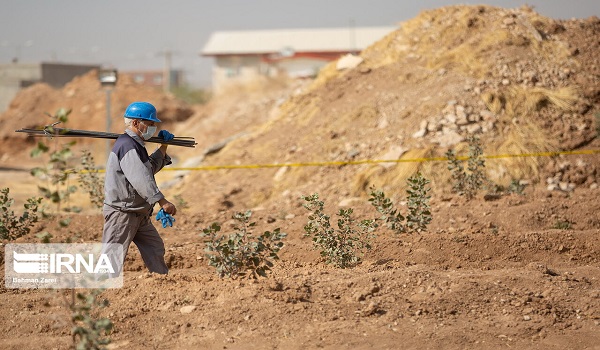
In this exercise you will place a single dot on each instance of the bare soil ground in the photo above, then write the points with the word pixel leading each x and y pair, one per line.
pixel 489 274
pixel 519 271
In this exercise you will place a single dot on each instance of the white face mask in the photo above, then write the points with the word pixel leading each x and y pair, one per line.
pixel 150 130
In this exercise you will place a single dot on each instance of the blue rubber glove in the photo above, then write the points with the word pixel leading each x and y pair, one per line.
pixel 165 135
pixel 165 218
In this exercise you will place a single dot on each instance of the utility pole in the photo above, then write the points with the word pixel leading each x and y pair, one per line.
pixel 108 121
pixel 167 72
pixel 167 69
pixel 352 36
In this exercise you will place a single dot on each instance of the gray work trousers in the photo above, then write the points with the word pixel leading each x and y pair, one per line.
pixel 124 228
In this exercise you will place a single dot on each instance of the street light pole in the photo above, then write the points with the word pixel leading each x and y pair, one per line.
pixel 108 119
pixel 108 79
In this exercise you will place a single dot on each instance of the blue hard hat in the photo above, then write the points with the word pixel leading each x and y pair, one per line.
pixel 141 110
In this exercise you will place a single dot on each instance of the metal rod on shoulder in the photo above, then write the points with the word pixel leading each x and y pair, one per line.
pixel 51 131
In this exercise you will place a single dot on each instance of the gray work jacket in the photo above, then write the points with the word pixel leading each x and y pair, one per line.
pixel 130 185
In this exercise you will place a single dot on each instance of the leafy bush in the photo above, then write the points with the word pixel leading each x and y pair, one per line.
pixel 88 332
pixel 89 179
pixel 515 187
pixel 236 254
pixel 392 218
pixel 419 212
pixel 44 237
pixel 597 115
pixel 340 246
pixel 55 169
pixel 191 95
pixel 11 226
pixel 563 225
pixel 467 183
pixel 181 202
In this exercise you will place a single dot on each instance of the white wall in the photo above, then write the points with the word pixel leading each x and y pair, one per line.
pixel 301 67
pixel 231 70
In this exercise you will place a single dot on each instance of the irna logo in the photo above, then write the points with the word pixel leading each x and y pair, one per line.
pixel 61 263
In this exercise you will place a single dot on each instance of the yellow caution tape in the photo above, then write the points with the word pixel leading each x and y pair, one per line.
pixel 369 161
pixel 375 161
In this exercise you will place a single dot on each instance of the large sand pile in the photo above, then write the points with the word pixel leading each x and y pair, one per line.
pixel 522 82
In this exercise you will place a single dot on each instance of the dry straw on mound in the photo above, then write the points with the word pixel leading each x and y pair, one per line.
pixel 523 135
pixel 393 179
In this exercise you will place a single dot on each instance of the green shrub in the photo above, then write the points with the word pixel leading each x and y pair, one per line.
pixel 515 187
pixel 342 246
pixel 191 95
pixel 468 182
pixel 55 170
pixel 563 225
pixel 597 115
pixel 392 218
pixel 89 179
pixel 11 226
pixel 419 211
pixel 181 202
pixel 88 332
pixel 239 252
pixel 44 237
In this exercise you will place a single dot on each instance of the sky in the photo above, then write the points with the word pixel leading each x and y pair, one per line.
pixel 135 34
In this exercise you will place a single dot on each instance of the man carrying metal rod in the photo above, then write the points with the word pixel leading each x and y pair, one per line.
pixel 130 189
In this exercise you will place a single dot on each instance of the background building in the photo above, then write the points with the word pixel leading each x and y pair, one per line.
pixel 241 56
pixel 155 78
pixel 15 76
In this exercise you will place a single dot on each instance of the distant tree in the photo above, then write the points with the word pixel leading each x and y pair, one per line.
pixel 192 95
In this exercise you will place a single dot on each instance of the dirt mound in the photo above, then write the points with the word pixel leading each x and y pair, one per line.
pixel 239 110
pixel 87 100
pixel 518 80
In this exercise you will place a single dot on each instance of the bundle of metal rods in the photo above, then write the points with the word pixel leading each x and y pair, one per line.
pixel 52 131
